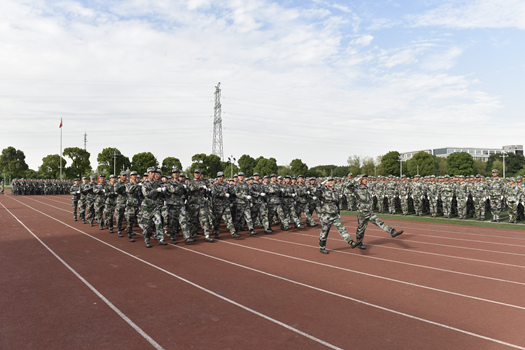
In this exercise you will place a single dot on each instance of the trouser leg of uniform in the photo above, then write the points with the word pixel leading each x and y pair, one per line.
pixel 193 217
pixel 228 220
pixel 74 204
pixel 263 215
pixel 108 214
pixel 513 211
pixel 82 209
pixel 119 215
pixel 309 219
pixel 204 220
pixel 362 223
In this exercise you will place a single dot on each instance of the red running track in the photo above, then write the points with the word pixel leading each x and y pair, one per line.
pixel 66 285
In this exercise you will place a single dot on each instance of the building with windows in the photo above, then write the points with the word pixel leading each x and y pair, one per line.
pixel 477 153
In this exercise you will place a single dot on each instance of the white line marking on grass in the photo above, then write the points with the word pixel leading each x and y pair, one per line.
pixel 331 346
pixel 93 289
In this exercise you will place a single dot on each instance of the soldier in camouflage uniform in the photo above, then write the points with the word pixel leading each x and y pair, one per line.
pixel 313 200
pixel 75 197
pixel 433 196
pixel 404 192
pixel 365 215
pixel 447 195
pixel 519 184
pixel 133 195
pixel 90 199
pixel 301 203
pixel 288 193
pixel 512 196
pixel 150 220
pixel 82 203
pixel 417 194
pixel 391 192
pixel 100 191
pixel 243 204
pixel 329 214
pixel 111 201
pixel 479 196
pixel 462 193
pixel 199 207
pixel 274 192
pixel 122 198
pixel 348 191
pixel 221 206
pixel 259 208
pixel 175 215
pixel 496 195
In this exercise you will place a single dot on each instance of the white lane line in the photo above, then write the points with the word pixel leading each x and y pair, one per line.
pixel 391 261
pixel 306 335
pixel 297 283
pixel 102 297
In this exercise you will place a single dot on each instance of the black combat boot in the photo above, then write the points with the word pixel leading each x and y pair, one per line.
pixel 395 233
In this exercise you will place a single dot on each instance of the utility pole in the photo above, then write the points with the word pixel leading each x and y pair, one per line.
pixel 115 154
pixel 504 155
pixel 217 125
pixel 85 140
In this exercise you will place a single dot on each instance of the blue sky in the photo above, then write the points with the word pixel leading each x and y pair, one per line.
pixel 316 80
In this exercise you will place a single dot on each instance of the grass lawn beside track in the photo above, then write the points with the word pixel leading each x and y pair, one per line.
pixel 503 224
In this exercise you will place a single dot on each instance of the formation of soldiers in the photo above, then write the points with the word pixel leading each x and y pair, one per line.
pixel 171 206
pixel 21 187
pixel 461 196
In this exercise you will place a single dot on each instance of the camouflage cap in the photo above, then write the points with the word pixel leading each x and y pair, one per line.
pixel 288 177
pixel 124 173
pixel 300 176
pixel 83 178
pixel 235 175
pixel 257 174
pixel 183 175
pixel 151 169
pixel 280 177
pixel 273 175
pixel 519 177
pixel 197 171
pixel 102 175
pixel 158 171
pixel 446 176
pixel 266 177
pixel 495 171
pixel 77 179
pixel 350 174
pixel 220 173
pixel 93 177
pixel 112 176
pixel 133 173
pixel 175 170
pixel 241 173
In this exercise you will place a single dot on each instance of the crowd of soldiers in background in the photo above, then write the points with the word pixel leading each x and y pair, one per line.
pixel 21 187
pixel 461 196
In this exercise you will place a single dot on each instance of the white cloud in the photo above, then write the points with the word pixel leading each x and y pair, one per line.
pixel 474 14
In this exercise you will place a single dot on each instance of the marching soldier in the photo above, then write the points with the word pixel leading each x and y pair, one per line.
pixel 100 191
pixel 75 197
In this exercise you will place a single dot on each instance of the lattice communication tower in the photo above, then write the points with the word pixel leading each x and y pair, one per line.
pixel 217 125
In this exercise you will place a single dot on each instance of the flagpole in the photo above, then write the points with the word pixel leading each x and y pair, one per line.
pixel 60 155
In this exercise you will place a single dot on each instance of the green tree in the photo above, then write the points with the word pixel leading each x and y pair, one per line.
pixel 169 163
pixel 368 166
pixel 266 166
pixel 354 163
pixel 228 170
pixel 298 167
pixel 142 161
pixel 460 163
pixel 390 163
pixel 247 164
pixel 497 164
pixel 12 162
pixel 106 161
pixel 422 162
pixel 50 168
pixel 284 170
pixel 31 174
pixel 479 167
pixel 208 164
pixel 341 171
pixel 513 163
pixel 440 166
pixel 80 163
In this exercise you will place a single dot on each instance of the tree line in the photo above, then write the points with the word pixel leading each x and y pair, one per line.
pixel 76 163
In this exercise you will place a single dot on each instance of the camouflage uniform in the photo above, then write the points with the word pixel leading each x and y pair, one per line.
pixel 329 215
pixel 462 198
pixel 313 200
pixel 301 204
pixel 447 195
pixel 274 204
pixel 221 208
pixel 349 191
pixel 120 209
pixel 416 192
pixel 75 198
pixel 365 215
pixel 259 208
pixel 243 204
pixel 289 194
pixel 479 196
pixel 149 218
pixel 512 198
pixel 100 191
pixel 199 208
pixel 111 203
pixel 433 196
pixel 496 195
pixel 391 192
pixel 90 201
pixel 134 192
pixel 404 192
pixel 176 216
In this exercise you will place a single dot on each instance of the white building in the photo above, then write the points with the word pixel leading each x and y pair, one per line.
pixel 477 153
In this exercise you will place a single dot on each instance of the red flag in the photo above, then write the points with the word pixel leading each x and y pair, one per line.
pixel 60 123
